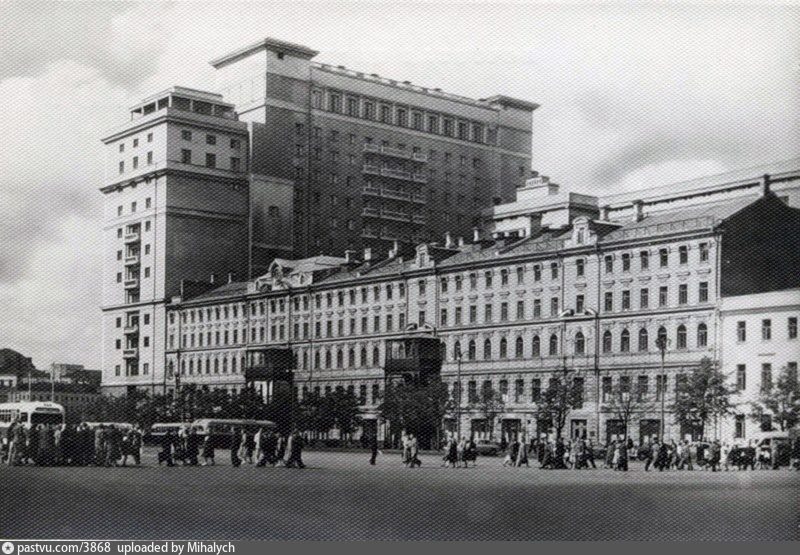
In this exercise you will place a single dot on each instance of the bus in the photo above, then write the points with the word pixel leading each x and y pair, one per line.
pixel 30 413
pixel 220 429
pixel 157 431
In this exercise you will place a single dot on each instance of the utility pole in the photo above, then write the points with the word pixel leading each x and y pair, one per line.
pixel 458 398
pixel 662 342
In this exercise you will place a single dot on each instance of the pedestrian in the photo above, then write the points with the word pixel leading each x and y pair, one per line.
pixel 114 441
pixel 714 455
pixel 373 448
pixel 561 451
pixel 208 450
pixel 405 444
pixel 795 453
pixel 33 443
pixel 651 453
pixel 579 454
pixel 725 455
pixel 472 452
pixel 131 446
pixel 249 445
pixel 522 455
pixel 414 451
pixel 167 445
pixel 461 452
pixel 513 451
pixel 622 457
pixel 236 444
pixel 662 459
pixel 295 449
pixel 590 454
pixel 548 456
pixel 192 446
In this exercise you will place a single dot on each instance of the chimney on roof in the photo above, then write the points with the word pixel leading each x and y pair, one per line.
pixel 764 185
pixel 448 240
pixel 476 235
pixel 349 256
pixel 367 254
pixel 638 210
pixel 604 213
pixel 460 243
pixel 395 249
pixel 212 278
pixel 231 276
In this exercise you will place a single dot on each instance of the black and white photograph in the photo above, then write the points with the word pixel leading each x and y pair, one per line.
pixel 397 271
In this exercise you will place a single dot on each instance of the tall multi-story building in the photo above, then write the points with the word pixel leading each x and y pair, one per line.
pixel 176 208
pixel 558 284
pixel 343 159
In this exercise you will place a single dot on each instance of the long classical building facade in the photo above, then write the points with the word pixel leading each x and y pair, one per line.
pixel 555 283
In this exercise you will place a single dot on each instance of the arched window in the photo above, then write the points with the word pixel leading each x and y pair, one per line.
pixel 471 350
pixel 363 357
pixel 183 367
pixel 351 358
pixel 519 348
pixel 316 360
pixel 536 346
pixel 503 347
pixel 224 365
pixel 456 350
pixel 662 334
pixel 625 341
pixel 327 359
pixel 580 343
pixel 339 358
pixel 171 368
pixel 553 345
pixel 191 366
pixel 244 364
pixel 681 336
pixel 702 335
pixel 233 365
pixel 487 349
pixel 208 366
pixel 643 340
pixel 376 356
pixel 607 340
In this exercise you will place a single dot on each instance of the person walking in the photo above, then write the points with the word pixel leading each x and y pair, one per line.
pixel 295 448
pixel 33 443
pixel 725 455
pixel 713 455
pixel 522 455
pixel 236 444
pixel 192 446
pixel 249 446
pixel 167 444
pixel 561 451
pixel 651 453
pixel 590 454
pixel 579 449
pixel 208 451
pixel 622 457
pixel 472 452
pixel 611 451
pixel 548 456
pixel 373 448
pixel 114 442
pixel 461 452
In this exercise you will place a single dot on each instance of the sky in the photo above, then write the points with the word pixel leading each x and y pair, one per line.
pixel 632 95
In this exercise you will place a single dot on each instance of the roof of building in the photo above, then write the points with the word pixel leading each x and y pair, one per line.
pixel 312 264
pixel 233 289
pixel 267 43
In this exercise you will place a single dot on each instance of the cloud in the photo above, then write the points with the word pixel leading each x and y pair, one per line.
pixel 632 96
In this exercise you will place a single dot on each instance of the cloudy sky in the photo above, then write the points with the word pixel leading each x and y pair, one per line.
pixel 632 96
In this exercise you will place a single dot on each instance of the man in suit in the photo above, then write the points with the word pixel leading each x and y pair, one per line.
pixel 373 447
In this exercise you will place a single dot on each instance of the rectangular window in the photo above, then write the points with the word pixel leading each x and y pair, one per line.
pixel 520 310
pixel 536 390
pixel 473 314
pixel 609 263
pixel 741 377
pixel 663 256
pixel 644 298
pixel 537 308
pixel 703 252
pixel 579 304
pixel 580 267
pixel 626 300
pixel 211 160
pixel 792 327
pixel 554 306
pixel 487 313
pixel 626 262
pixel 150 158
pixel 503 312
pixel 740 426
pixel 766 329
pixel 741 331
pixel 186 135
pixel 644 260
pixel 702 295
pixel 766 377
pixel 683 294
pixel 186 156
pixel 458 316
pixel 211 139
pixel 683 254
pixel 236 164
pixel 663 296
pixel 608 305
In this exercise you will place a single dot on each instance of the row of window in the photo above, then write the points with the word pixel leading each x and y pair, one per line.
pixel 766 329
pixel 766 375
pixel 210 139
pixel 148 203
pixel 134 142
pixel 402 116
pixel 135 162
pixel 234 162
pixel 663 258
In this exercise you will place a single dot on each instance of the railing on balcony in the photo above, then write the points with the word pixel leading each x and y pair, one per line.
pixel 419 157
pixel 419 219
pixel 419 178
pixel 132 258
pixel 399 195
pixel 393 194
pixel 395 215
pixel 418 197
pixel 371 169
pixel 371 212
pixel 369 233
pixel 131 283
pixel 132 236
pixel 132 352
pixel 374 191
pixel 131 329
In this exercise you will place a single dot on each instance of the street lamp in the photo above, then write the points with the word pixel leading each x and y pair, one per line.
pixel 662 343
pixel 458 397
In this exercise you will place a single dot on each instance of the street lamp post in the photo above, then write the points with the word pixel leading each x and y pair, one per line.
pixel 661 343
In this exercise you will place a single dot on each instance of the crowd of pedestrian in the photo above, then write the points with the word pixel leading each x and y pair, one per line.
pixel 459 452
pixel 69 445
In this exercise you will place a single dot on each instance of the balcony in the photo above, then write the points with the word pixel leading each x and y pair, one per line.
pixel 131 283
pixel 396 152
pixel 419 219
pixel 131 329
pixel 132 259
pixel 132 352
pixel 373 191
pixel 419 178
pixel 369 234
pixel 419 198
pixel 419 157
pixel 395 215
pixel 397 195
pixel 372 170
pixel 132 237
pixel 371 213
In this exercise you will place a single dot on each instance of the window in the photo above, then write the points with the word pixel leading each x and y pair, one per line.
pixel 488 277
pixel 580 267
pixel 503 312
pixel 607 388
pixel 121 167
pixel 766 329
pixel 644 298
pixel 186 156
pixel 554 270
pixel 608 303
pixel 553 347
pixel 537 273
pixel 211 139
pixel 683 254
pixel 135 162
pixel 741 331
pixel 503 348
pixel 579 304
pixel 504 277
pixel 739 427
pixel 536 346
pixel 580 344
pixel 519 347
pixel 642 388
pixel 578 385
pixel 626 300
pixel 663 256
pixel 487 349
pixel 150 158
pixel 661 386
pixel 681 337
pixel 702 335
pixel 554 306
pixel 644 260
pixel 536 390
pixel 702 295
pixel 520 275
pixel 663 296
pixel 537 308
pixel 607 340
pixel 683 294
pixel 643 340
pixel 609 262
pixel 766 377
pixel 626 262
pixel 487 313
pixel 236 164
pixel 122 147
pixel 186 135
pixel 625 341
pixel 741 377
pixel 211 160
pixel 520 310
pixel 792 327
pixel 443 284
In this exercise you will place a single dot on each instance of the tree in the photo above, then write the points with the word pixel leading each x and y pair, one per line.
pixel 703 397
pixel 625 404
pixel 489 405
pixel 781 402
pixel 418 409
pixel 557 401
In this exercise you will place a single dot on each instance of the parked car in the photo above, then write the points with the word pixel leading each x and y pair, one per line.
pixel 487 448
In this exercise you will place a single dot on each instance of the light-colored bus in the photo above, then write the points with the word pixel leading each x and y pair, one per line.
pixel 158 430
pixel 124 426
pixel 220 429
pixel 30 414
